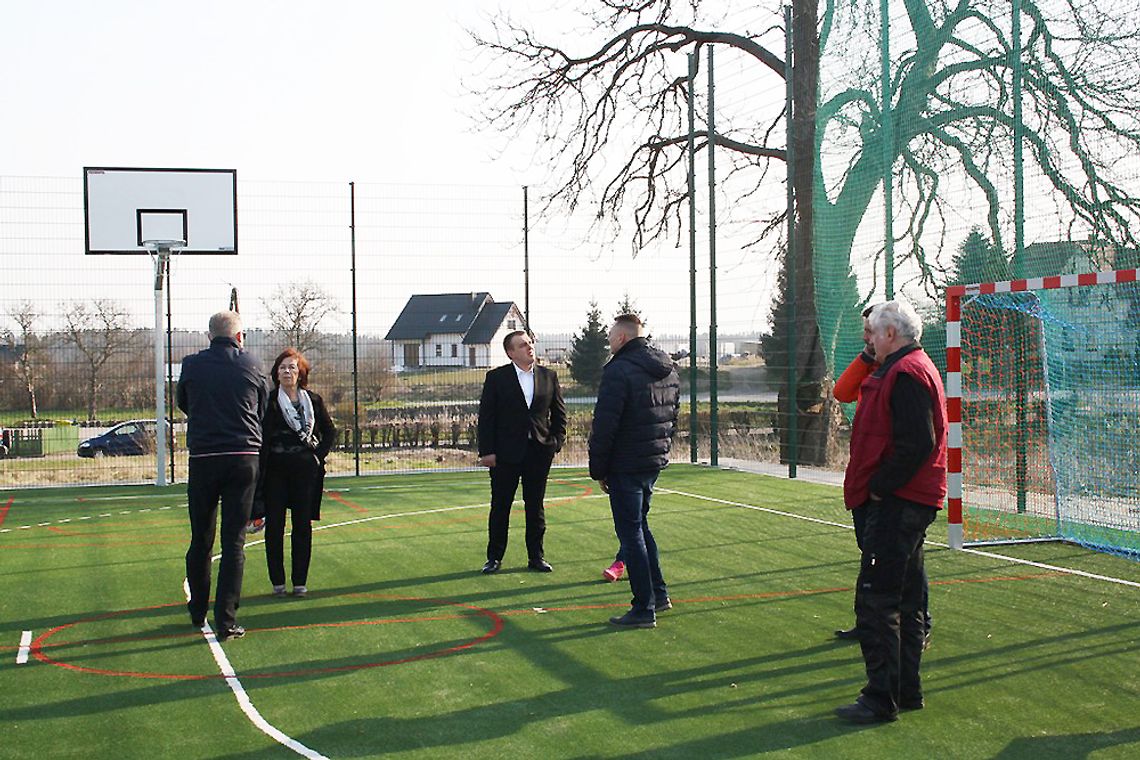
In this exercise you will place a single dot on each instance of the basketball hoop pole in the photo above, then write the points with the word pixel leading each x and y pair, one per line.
pixel 160 250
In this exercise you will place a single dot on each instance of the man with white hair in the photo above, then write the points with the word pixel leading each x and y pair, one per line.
pixel 224 393
pixel 897 473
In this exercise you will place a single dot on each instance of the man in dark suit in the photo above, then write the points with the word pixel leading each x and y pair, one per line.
pixel 522 425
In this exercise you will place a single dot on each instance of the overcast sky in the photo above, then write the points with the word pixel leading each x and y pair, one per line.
pixel 277 89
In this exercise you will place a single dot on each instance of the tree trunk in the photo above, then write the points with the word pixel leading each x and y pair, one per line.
pixel 812 400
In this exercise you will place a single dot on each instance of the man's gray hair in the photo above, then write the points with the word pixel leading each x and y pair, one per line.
pixel 225 324
pixel 899 315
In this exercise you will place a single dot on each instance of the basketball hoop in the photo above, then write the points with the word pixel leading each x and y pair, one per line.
pixel 167 245
pixel 160 251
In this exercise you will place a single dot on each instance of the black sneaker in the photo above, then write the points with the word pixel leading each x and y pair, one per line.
pixel 634 620
pixel 234 632
pixel 857 712
pixel 662 606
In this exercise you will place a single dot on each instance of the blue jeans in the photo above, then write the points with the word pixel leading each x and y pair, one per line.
pixel 630 494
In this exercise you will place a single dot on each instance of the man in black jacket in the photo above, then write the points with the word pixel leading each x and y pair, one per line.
pixel 522 425
pixel 634 421
pixel 223 392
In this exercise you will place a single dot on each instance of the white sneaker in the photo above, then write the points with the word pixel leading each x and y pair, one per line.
pixel 279 591
pixel 300 591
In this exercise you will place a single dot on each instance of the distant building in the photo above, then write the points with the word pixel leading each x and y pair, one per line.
pixel 452 330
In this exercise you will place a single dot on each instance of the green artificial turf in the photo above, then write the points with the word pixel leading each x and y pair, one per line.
pixel 403 649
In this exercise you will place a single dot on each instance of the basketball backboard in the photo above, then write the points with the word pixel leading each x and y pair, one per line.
pixel 124 208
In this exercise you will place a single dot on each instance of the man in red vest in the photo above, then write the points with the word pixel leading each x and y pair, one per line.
pixel 897 473
pixel 847 390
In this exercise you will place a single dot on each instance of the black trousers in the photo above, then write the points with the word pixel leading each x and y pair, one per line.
pixel 290 480
pixel 532 471
pixel 889 601
pixel 232 480
pixel 859 520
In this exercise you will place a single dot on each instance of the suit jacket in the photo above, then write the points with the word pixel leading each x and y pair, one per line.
pixel 505 422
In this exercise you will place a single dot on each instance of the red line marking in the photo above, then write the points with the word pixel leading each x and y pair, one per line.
pixel 341 500
pixel 5 508
pixel 42 642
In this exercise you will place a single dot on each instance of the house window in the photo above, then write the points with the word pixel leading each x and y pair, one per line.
pixel 454 350
pixel 511 325
pixel 438 350
pixel 442 317
pixel 458 317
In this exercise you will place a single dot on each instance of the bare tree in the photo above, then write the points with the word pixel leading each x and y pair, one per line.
pixel 28 348
pixel 624 80
pixel 100 333
pixel 951 115
pixel 296 311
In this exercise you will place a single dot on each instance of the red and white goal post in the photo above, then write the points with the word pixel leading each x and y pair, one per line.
pixel 1056 459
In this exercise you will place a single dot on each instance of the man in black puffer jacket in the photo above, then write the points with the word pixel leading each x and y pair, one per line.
pixel 634 420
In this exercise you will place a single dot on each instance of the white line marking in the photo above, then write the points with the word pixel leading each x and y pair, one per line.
pixel 758 509
pixel 1044 566
pixel 243 700
pixel 227 670
pixel 25 647
pixel 991 555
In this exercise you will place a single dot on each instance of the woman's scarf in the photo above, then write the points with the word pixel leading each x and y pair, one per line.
pixel 299 421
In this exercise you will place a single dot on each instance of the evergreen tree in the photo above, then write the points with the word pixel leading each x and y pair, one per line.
pixel 774 344
pixel 627 306
pixel 589 350
pixel 978 260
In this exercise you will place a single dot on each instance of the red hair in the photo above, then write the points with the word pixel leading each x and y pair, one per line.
pixel 302 367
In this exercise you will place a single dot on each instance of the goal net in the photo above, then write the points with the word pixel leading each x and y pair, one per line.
pixel 1043 397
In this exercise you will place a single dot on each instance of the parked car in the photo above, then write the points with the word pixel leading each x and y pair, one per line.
pixel 131 438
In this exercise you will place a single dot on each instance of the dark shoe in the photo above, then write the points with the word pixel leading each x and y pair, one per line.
pixel 492 566
pixel 857 712
pixel 233 632
pixel 196 620
pixel 662 606
pixel 911 704
pixel 540 566
pixel 634 620
pixel 850 634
